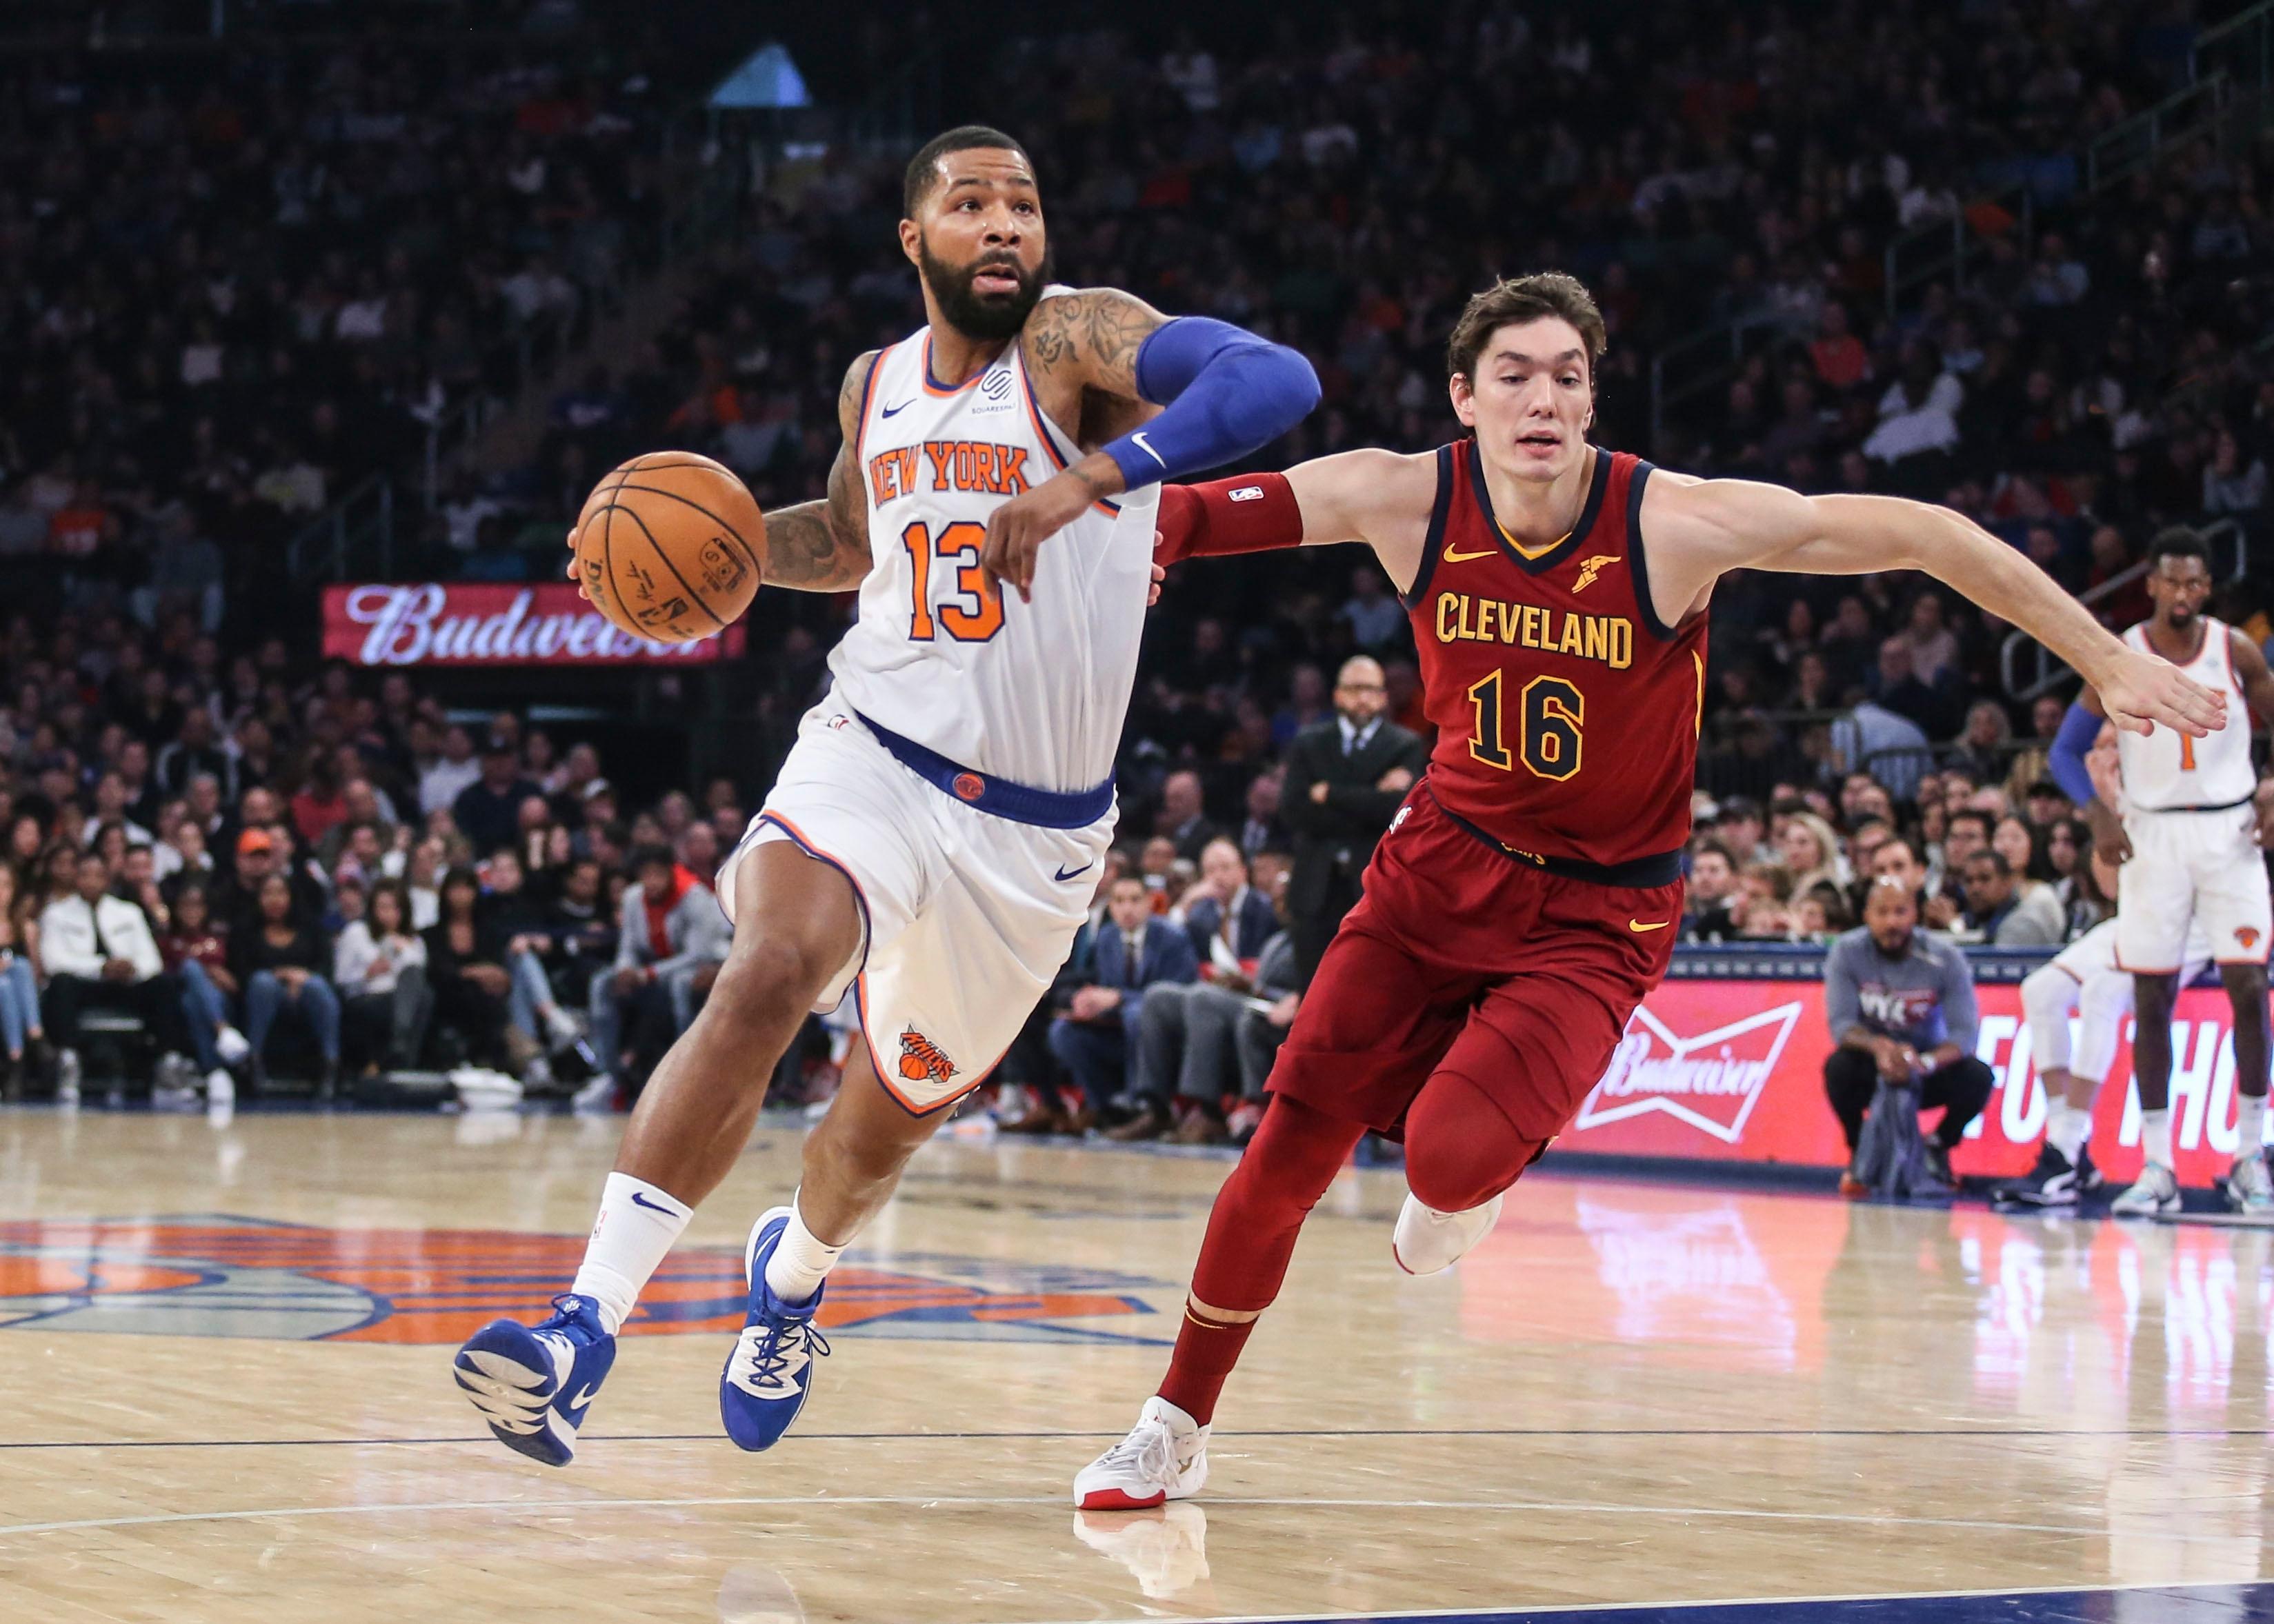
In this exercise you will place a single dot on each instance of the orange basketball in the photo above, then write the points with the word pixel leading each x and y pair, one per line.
pixel 671 546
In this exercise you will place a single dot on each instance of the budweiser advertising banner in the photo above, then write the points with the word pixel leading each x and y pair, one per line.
pixel 484 623
pixel 1734 1070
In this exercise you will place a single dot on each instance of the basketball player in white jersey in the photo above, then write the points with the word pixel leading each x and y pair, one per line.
pixel 2189 834
pixel 932 841
pixel 2081 982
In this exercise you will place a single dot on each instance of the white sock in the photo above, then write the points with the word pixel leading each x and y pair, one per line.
pixel 2155 1136
pixel 2068 1130
pixel 801 1260
pixel 635 1226
pixel 2250 1123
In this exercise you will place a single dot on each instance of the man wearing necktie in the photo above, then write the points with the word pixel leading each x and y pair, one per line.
pixel 1345 779
pixel 1134 951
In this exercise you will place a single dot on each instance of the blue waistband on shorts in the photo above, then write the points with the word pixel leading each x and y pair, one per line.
pixel 1021 803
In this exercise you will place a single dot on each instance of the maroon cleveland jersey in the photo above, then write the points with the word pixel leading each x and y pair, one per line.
pixel 1567 713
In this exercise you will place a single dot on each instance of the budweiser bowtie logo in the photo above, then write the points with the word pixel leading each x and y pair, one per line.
pixel 1712 1081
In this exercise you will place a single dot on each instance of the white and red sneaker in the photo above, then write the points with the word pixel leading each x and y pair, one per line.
pixel 1426 1241
pixel 1164 1458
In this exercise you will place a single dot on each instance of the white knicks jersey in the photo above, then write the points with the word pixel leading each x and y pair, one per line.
pixel 2167 769
pixel 1036 691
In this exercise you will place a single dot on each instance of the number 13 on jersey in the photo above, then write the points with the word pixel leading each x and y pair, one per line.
pixel 974 622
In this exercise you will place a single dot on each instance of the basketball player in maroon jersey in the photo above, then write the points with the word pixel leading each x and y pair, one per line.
pixel 1527 896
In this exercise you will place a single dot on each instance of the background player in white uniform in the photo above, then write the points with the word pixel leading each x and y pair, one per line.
pixel 931 839
pixel 2082 981
pixel 2189 836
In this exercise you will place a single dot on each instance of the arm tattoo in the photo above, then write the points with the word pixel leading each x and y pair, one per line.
pixel 1093 338
pixel 824 546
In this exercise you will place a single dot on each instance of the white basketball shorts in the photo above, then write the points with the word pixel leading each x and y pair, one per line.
pixel 2202 867
pixel 966 916
pixel 2082 979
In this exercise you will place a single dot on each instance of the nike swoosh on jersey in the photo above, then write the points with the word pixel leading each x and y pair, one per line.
pixel 1452 557
pixel 1139 441
pixel 1068 874
pixel 1637 927
pixel 891 410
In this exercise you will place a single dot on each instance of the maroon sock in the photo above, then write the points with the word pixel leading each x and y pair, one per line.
pixel 1206 1351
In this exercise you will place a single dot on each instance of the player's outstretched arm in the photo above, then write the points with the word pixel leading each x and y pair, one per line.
pixel 1221 392
pixel 1380 498
pixel 824 546
pixel 1701 529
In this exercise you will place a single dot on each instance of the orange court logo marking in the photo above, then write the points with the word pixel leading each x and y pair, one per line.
pixel 217 1274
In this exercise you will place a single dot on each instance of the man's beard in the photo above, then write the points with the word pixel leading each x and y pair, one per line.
pixel 988 319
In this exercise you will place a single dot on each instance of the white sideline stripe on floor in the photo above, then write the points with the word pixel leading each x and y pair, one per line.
pixel 554 1508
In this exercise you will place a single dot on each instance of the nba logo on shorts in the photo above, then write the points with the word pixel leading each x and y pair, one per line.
pixel 921 1060
pixel 969 786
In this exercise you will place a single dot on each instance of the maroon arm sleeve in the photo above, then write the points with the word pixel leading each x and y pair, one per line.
pixel 1253 512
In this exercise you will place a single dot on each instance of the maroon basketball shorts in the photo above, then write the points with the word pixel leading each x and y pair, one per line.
pixel 1464 958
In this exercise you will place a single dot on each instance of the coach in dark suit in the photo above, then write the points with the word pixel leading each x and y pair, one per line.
pixel 1345 779
pixel 1133 951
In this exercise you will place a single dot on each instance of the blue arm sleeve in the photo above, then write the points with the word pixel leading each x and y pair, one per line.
pixel 1225 392
pixel 2078 729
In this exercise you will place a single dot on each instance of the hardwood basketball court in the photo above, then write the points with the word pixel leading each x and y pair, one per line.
pixel 226 1350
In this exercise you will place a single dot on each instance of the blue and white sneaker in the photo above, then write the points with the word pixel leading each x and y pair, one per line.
pixel 533 1383
pixel 767 1379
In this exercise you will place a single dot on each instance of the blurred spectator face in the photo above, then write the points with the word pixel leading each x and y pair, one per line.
pixel 1894 662
pixel 582 765
pixel 457 745
pixel 1306 690
pixel 674 812
pixel 1989 883
pixel 1268 872
pixel 276 896
pixel 1362 692
pixel 2062 844
pixel 2045 716
pixel 1223 869
pixel 257 808
pixel 698 849
pixel 1711 877
pixel 24 839
pixel 204 798
pixel 1128 904
pixel 1891 914
pixel 498 766
pixel 1895 861
pixel 93 878
pixel 360 800
pixel 533 813
pixel 582 883
pixel 1986 723
pixel 1740 829
pixel 110 796
pixel 348 895
pixel 2011 841
pixel 363 847
pixel 1926 613
pixel 1852 623
pixel 505 873
pixel 135 870
pixel 1180 799
pixel 425 863
pixel 1263 791
pixel 1158 857
pixel 1797 845
pixel 1864 844
pixel 256 856
pixel 1967 835
pixel 420 737
pixel 656 879
pixel 729 824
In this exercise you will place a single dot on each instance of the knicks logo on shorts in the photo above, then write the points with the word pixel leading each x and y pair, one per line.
pixel 2247 936
pixel 921 1060
pixel 969 786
